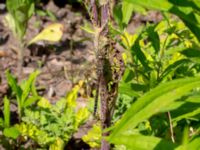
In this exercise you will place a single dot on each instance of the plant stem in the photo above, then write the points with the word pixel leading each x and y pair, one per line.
pixel 20 59
pixel 171 127
pixel 104 93
pixel 100 23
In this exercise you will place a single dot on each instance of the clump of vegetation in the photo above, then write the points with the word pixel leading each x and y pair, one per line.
pixel 47 124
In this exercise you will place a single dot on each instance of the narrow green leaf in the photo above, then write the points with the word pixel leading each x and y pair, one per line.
pixel 171 68
pixel 184 105
pixel 141 142
pixel 153 102
pixel 187 11
pixel 189 19
pixel 13 84
pixel 131 89
pixel 1 123
pixel 127 10
pixel 118 16
pixel 154 38
pixel 6 112
pixel 28 86
pixel 163 5
pixel 31 100
pixel 136 49
pixel 193 144
pixel 187 115
pixel 191 52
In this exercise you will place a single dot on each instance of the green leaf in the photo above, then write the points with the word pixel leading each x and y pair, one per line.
pixel 118 16
pixel 88 28
pixel 6 112
pixel 136 49
pixel 11 132
pixel 187 115
pixel 188 11
pixel 192 53
pixel 1 122
pixel 72 96
pixel 21 11
pixel 171 68
pixel 127 10
pixel 153 102
pixel 194 144
pixel 13 84
pixel 81 116
pixel 44 103
pixel 141 142
pixel 189 19
pixel 93 137
pixel 30 101
pixel 154 38
pixel 59 144
pixel 131 89
pixel 163 5
pixel 28 86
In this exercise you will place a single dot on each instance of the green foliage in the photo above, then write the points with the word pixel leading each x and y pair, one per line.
pixel 152 102
pixel 20 11
pixel 54 123
pixel 9 132
pixel 156 54
pixel 93 137
pixel 25 93
pixel 6 112
pixel 187 12
pixel 141 142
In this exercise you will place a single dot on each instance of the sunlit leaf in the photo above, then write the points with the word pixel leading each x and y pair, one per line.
pixel 194 144
pixel 6 112
pixel 57 145
pixel 127 10
pixel 13 84
pixel 93 137
pixel 81 116
pixel 28 86
pixel 11 132
pixel 152 102
pixel 21 11
pixel 141 142
pixel 44 103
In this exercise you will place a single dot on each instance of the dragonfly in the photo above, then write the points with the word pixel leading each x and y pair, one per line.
pixel 110 65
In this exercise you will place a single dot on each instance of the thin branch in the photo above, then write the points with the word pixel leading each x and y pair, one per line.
pixel 171 127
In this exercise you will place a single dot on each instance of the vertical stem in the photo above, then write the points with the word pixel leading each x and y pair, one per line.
pixel 20 59
pixel 19 109
pixel 100 22
pixel 71 44
pixel 104 94
pixel 94 12
pixel 94 19
pixel 171 127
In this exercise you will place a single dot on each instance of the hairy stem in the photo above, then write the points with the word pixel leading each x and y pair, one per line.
pixel 20 59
